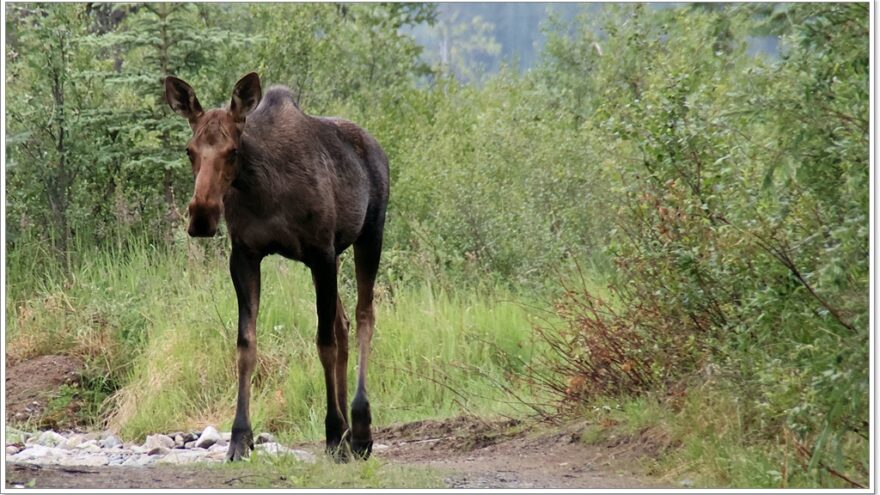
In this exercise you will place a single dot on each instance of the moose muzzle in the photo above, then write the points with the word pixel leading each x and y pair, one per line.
pixel 203 219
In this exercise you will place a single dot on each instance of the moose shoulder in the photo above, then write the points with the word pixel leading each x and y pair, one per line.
pixel 304 187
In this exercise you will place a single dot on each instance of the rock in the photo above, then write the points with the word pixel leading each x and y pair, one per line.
pixel 379 446
pixel 50 439
pixel 12 450
pixel 264 438
pixel 38 453
pixel 178 441
pixel 208 437
pixel 303 456
pixel 110 442
pixel 217 455
pixel 189 445
pixel 72 441
pixel 226 436
pixel 189 437
pixel 154 441
pixel 273 448
pixel 158 450
pixel 181 457
pixel 84 460
pixel 90 446
pixel 687 483
pixel 139 460
pixel 216 447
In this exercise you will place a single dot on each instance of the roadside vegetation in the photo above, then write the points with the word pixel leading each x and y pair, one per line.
pixel 654 229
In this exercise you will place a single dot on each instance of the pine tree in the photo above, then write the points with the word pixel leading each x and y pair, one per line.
pixel 160 40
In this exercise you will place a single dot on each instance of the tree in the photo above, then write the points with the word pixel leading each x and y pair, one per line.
pixel 46 125
pixel 160 40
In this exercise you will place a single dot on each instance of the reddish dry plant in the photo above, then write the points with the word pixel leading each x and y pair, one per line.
pixel 600 351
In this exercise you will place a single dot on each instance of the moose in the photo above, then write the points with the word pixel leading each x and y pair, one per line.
pixel 304 187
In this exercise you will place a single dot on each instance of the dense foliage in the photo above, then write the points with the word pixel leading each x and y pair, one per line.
pixel 721 195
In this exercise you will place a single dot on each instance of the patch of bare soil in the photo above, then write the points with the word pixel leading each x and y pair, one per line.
pixel 469 453
pixel 120 477
pixel 512 454
pixel 32 384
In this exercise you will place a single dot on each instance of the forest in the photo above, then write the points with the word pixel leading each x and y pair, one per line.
pixel 651 228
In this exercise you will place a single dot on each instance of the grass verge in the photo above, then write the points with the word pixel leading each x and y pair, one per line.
pixel 157 328
pixel 702 439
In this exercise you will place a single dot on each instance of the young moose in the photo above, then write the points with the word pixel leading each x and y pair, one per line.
pixel 303 187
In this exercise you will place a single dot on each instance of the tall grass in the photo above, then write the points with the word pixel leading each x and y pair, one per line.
pixel 158 327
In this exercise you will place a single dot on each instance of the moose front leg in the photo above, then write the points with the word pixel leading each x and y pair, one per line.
pixel 245 270
pixel 335 424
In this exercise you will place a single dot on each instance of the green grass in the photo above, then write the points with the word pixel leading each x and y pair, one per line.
pixel 158 327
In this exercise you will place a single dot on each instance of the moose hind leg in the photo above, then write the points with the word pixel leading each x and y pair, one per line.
pixel 245 272
pixel 341 326
pixel 324 276
pixel 366 265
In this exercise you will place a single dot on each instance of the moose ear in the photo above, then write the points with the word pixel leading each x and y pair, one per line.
pixel 182 98
pixel 246 96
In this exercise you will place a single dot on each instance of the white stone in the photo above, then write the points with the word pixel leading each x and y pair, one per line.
pixel 273 448
pixel 89 445
pixel 84 460
pixel 37 452
pixel 139 460
pixel 73 441
pixel 217 455
pixel 154 441
pixel 110 442
pixel 208 437
pixel 12 450
pixel 226 436
pixel 50 439
pixel 181 457
pixel 303 456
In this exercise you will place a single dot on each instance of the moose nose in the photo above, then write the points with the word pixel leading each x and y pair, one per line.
pixel 203 219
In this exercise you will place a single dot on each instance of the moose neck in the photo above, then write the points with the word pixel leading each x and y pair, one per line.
pixel 255 183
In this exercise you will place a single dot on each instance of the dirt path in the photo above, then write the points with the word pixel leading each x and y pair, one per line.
pixel 467 453
pixel 510 454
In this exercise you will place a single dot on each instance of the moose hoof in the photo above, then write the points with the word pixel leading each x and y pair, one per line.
pixel 339 452
pixel 362 449
pixel 240 446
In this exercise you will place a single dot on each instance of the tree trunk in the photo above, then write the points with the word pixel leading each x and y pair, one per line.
pixel 58 187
